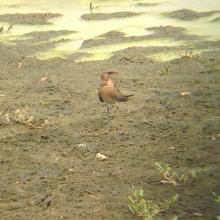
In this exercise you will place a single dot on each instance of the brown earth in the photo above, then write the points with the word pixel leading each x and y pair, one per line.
pixel 144 4
pixel 30 18
pixel 52 172
pixel 189 15
pixel 106 16
pixel 114 37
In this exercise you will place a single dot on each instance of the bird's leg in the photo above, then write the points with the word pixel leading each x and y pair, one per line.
pixel 107 107
pixel 117 106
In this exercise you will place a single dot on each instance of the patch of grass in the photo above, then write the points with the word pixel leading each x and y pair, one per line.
pixel 167 204
pixel 216 197
pixel 147 209
pixel 165 71
pixel 141 207
pixel 92 7
pixel 169 175
pixel 189 54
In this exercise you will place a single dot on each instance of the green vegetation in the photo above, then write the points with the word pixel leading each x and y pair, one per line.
pixel 216 196
pixel 217 199
pixel 169 203
pixel 92 7
pixel 141 207
pixel 147 209
pixel 164 71
pixel 169 175
pixel 190 54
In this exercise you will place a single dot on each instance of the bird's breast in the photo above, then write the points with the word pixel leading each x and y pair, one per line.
pixel 107 94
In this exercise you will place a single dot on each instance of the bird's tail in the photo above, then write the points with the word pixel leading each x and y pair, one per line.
pixel 129 95
pixel 123 98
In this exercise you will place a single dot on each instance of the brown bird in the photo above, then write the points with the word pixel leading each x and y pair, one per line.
pixel 108 93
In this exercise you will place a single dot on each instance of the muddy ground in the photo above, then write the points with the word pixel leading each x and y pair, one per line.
pixel 106 16
pixel 161 32
pixel 51 172
pixel 186 14
pixel 31 18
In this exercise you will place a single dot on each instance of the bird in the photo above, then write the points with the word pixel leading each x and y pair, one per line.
pixel 108 93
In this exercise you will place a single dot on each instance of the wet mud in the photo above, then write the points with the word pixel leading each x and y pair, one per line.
pixel 189 15
pixel 41 36
pixel 31 18
pixel 143 4
pixel 113 37
pixel 106 16
pixel 52 172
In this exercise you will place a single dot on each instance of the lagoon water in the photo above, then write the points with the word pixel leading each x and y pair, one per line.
pixel 131 26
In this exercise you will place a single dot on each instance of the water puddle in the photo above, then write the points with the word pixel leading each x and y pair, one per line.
pixel 131 26
pixel 105 51
pixel 170 55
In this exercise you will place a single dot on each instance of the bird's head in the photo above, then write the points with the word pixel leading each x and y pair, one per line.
pixel 108 75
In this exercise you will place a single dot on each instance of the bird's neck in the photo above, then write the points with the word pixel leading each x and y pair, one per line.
pixel 107 83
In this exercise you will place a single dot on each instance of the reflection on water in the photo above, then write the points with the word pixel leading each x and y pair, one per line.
pixel 169 55
pixel 73 9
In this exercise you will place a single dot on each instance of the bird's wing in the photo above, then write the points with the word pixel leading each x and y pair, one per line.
pixel 100 97
pixel 119 96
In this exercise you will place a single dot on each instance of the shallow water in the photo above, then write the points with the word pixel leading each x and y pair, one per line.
pixel 131 26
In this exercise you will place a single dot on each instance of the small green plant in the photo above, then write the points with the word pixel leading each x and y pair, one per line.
pixel 164 71
pixel 141 207
pixel 169 202
pixel 216 197
pixel 174 218
pixel 190 54
pixel 92 7
pixel 169 175
pixel 147 209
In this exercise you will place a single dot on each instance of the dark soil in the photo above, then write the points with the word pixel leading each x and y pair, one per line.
pixel 39 36
pixel 31 18
pixel 143 4
pixel 114 37
pixel 106 16
pixel 189 15
pixel 52 172
pixel 23 49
